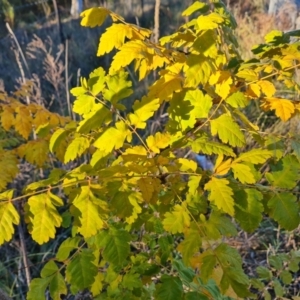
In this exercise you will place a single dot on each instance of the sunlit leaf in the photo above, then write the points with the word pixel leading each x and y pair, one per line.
pixel 94 16
pixel 227 130
pixel 221 194
pixel 177 220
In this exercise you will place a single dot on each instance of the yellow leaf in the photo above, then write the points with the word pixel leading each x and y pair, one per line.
pixel 158 141
pixel 23 121
pixel 45 218
pixel 210 21
pixel 177 220
pixel 197 71
pixel 283 108
pixel 132 50
pixel 223 81
pixel 114 37
pixel 243 173
pixel 169 82
pixel 76 148
pixel 134 199
pixel 35 152
pixel 7 117
pixel 228 130
pixel 94 16
pixel 221 194
pixel 248 74
pixel 253 90
pixel 222 167
pixel 8 216
pixel 187 165
pixel 90 213
pixel 254 156
pixel 9 167
pixel 267 87
pixel 193 8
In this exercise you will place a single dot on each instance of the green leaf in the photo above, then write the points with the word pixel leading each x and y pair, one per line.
pixel 81 271
pixel 8 216
pixel 131 281
pixel 76 148
pixel 286 173
pixel 66 247
pixel 195 296
pixel 237 100
pixel 190 245
pixel 248 208
pixel 279 291
pixel 228 131
pixel 37 289
pixel 208 263
pixel 186 274
pixel 221 194
pixel 116 246
pixel 118 87
pixel 221 223
pixel 284 210
pixel 57 285
pixel 231 264
pixel 286 277
pixel 264 273
pixel 170 288
pixel 177 220
pixel 45 217
pixel 296 147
